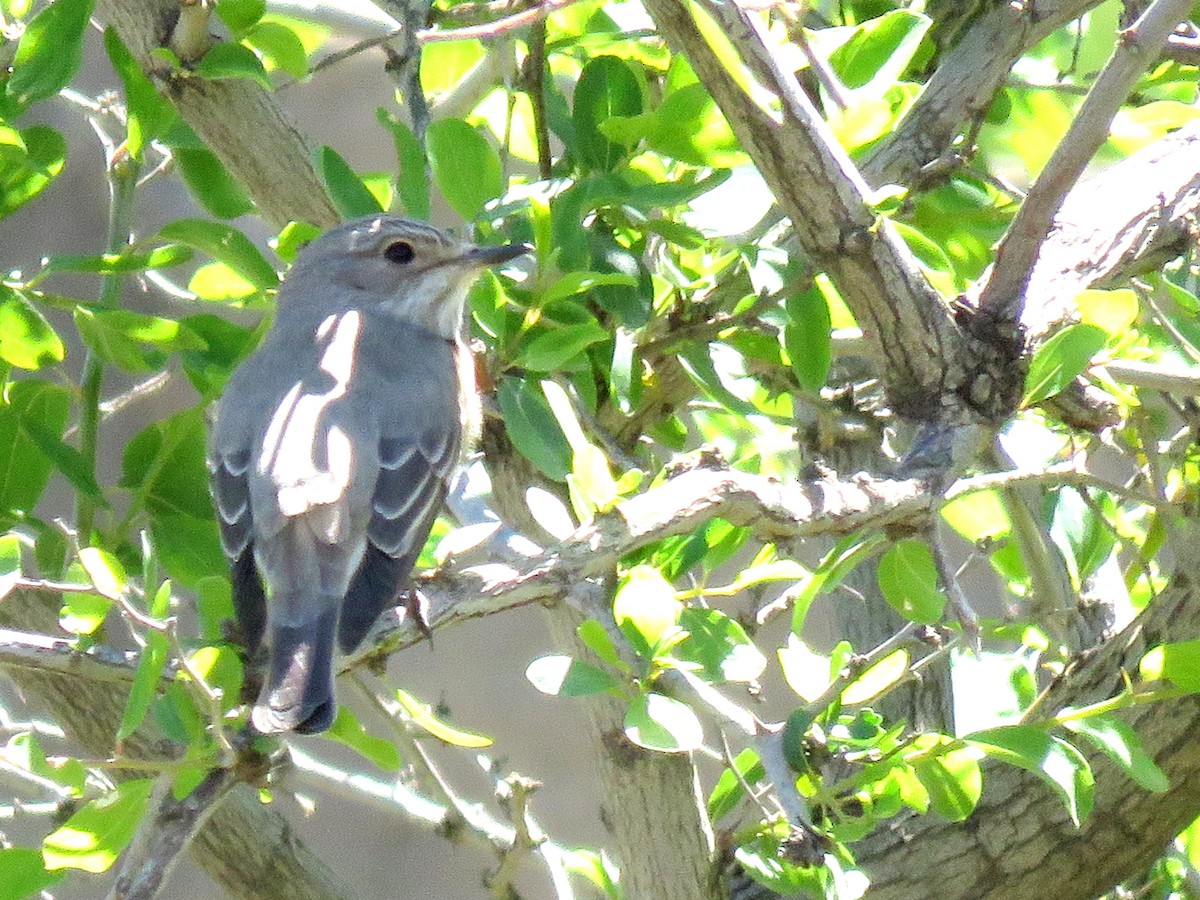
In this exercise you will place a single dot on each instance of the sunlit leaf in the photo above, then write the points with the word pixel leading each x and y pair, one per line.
pixel 1120 743
pixel 94 837
pixel 346 729
pixel 657 722
pixel 908 578
pixel 423 716
pixel 877 679
pixel 27 340
pixel 562 676
pixel 465 167
pixel 1057 362
pixel 50 51
pixel 1056 762
pixel 645 608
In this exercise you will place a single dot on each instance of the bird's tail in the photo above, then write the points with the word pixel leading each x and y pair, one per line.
pixel 298 693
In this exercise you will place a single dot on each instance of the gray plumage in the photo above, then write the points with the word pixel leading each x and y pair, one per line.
pixel 334 444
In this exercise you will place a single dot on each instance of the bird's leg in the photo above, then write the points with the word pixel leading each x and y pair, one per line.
pixel 416 605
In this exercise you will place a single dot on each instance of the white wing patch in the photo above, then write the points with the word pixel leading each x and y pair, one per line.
pixel 312 463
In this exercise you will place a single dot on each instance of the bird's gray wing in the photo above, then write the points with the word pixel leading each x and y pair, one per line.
pixel 414 473
pixel 231 497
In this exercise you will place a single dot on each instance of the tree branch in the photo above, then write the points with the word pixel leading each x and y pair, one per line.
pixel 1128 219
pixel 965 83
pixel 1020 821
pixel 167 828
pixel 1003 295
pixel 826 198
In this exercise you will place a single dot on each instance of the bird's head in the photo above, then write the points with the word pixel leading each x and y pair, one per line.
pixel 405 268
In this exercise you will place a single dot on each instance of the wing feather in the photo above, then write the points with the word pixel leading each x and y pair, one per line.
pixel 413 479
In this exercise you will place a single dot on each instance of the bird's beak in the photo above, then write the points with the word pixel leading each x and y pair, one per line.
pixel 494 256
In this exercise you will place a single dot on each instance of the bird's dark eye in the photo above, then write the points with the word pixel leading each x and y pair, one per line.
pixel 400 253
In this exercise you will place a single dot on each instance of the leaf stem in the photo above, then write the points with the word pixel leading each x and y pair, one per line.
pixel 122 181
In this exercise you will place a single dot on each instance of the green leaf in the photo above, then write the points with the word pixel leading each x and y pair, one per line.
pixel 27 340
pixel 465 167
pixel 879 50
pixel 189 547
pixel 240 15
pixel 83 613
pixel 217 282
pixel 280 46
pixel 876 679
pixel 1056 762
pixel 1120 743
pixel 953 779
pixel 66 459
pixel 148 112
pixel 227 244
pixel 50 51
pixel 145 683
pixel 214 606
pixel 834 567
pixel 210 182
pixel 719 645
pixel 226 345
pixel 413 180
pixel 22 180
pixel 573 283
pixel 728 791
pixel 596 638
pixel 10 564
pixel 221 668
pixel 532 428
pixel 1113 311
pixel 25 751
pixel 24 469
pixel 808 338
pixel 908 578
pixel 133 341
pixel 350 196
pixel 662 723
pixel 562 676
pixel 1178 663
pixel 607 87
pixel 233 61
pixel 552 349
pixel 978 516
pixel 693 129
pixel 346 729
pixel 423 716
pixel 292 239
pixel 645 608
pixel 162 257
pixel 94 837
pixel 591 485
pixel 1057 362
pixel 165 464
pixel 23 873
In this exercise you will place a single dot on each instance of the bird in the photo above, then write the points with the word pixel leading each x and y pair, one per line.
pixel 333 446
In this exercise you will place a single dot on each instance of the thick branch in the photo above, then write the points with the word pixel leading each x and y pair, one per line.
pixel 1003 295
pixel 1126 220
pixel 236 118
pixel 819 188
pixel 775 511
pixel 965 84
pixel 1020 843
pixel 166 830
